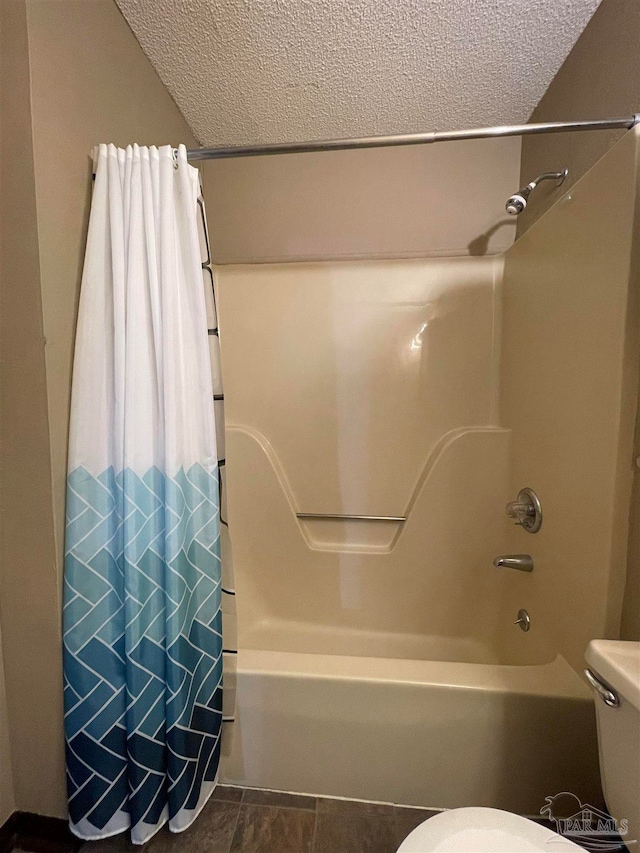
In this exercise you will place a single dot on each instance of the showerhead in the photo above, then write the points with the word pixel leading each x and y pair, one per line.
pixel 518 201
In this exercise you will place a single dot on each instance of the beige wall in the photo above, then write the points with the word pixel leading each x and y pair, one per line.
pixel 630 627
pixel 599 79
pixel 28 584
pixel 445 199
pixel 75 76
pixel 7 800
pixel 366 388
pixel 569 385
pixel 7 797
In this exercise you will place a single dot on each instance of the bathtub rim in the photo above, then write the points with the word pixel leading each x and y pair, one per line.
pixel 556 678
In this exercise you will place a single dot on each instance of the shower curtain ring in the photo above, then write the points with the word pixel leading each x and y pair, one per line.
pixel 174 155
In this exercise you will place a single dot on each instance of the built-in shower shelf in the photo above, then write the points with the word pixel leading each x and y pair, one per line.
pixel 343 532
pixel 343 517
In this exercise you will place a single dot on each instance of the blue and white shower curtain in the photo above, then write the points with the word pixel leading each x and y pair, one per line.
pixel 143 586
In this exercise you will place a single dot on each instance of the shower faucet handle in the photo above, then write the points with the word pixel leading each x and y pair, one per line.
pixel 527 510
pixel 519 509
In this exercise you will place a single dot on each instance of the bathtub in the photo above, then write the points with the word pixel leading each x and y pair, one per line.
pixel 378 657
pixel 430 733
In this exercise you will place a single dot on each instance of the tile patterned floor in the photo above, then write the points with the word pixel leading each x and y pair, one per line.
pixel 248 821
pixel 237 820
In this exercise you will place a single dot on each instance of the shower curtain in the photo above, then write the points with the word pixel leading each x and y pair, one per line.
pixel 142 599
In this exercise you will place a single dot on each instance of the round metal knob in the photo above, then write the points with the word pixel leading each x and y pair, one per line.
pixel 523 620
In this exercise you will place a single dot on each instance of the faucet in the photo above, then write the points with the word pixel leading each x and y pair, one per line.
pixel 521 562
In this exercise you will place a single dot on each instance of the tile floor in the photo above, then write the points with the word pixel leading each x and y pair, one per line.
pixel 248 821
pixel 237 820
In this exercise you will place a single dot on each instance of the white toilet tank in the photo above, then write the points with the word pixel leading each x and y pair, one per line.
pixel 615 664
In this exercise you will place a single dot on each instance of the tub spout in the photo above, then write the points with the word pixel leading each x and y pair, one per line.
pixel 521 562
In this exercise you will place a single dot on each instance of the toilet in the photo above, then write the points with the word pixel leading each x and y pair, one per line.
pixel 614 674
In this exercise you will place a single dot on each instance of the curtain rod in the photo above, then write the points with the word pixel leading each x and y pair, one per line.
pixel 411 138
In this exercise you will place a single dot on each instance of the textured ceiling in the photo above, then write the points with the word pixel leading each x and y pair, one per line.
pixel 278 70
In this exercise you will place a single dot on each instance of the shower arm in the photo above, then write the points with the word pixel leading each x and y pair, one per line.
pixel 548 176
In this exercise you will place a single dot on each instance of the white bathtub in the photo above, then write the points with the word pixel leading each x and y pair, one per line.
pixel 425 733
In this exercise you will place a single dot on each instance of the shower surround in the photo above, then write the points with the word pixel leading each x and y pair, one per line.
pixel 378 659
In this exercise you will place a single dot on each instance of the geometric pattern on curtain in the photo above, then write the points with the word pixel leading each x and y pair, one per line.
pixel 143 654
pixel 166 532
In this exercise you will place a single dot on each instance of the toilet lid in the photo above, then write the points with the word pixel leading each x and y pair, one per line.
pixel 483 831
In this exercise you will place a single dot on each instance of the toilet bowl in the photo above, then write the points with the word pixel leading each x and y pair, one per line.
pixel 481 830
pixel 614 673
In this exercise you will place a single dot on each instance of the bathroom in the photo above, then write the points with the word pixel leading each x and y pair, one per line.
pixel 395 359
